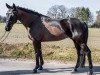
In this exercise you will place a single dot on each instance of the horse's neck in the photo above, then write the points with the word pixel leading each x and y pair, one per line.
pixel 26 19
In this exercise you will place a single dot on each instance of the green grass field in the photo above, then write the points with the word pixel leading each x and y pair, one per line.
pixel 18 45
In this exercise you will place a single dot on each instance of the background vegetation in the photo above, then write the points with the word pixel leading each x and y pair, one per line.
pixel 17 45
pixel 61 12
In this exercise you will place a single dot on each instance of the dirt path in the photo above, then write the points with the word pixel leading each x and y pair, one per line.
pixel 24 67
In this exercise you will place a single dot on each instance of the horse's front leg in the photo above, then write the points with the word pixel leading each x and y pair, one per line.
pixel 41 61
pixel 38 55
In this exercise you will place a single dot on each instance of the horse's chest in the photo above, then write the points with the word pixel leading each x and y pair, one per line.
pixel 34 33
pixel 29 35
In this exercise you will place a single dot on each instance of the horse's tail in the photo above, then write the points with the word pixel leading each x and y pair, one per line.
pixel 85 32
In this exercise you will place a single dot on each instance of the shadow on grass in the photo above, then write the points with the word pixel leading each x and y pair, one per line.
pixel 52 70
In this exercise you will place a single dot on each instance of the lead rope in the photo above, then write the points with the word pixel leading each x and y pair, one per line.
pixel 4 37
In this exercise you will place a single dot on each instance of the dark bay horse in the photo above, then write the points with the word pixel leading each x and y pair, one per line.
pixel 41 28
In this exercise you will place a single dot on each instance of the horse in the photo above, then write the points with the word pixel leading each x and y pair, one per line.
pixel 42 28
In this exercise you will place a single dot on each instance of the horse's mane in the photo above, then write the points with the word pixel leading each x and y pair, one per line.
pixel 30 11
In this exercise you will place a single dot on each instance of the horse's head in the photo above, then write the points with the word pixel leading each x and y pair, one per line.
pixel 11 17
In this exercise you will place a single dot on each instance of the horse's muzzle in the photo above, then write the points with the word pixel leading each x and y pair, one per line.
pixel 7 28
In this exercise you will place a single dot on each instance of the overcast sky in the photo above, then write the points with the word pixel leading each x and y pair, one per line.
pixel 42 6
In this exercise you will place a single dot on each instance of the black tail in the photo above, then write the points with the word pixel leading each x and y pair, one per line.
pixel 85 32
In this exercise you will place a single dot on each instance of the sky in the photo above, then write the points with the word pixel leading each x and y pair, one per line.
pixel 42 6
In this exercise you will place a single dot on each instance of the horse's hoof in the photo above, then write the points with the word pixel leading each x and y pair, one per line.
pixel 35 71
pixel 40 68
pixel 74 70
pixel 91 73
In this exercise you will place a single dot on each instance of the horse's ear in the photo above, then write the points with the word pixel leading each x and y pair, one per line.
pixel 8 6
pixel 14 6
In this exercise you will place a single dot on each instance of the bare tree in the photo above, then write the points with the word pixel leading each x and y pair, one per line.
pixel 98 16
pixel 57 12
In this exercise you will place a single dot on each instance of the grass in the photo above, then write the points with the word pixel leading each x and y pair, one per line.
pixel 17 45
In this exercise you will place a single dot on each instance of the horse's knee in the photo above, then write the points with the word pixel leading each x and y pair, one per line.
pixel 38 53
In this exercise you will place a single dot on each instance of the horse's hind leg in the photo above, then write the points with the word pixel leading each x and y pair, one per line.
pixel 87 51
pixel 78 48
pixel 90 61
pixel 82 59
pixel 82 64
